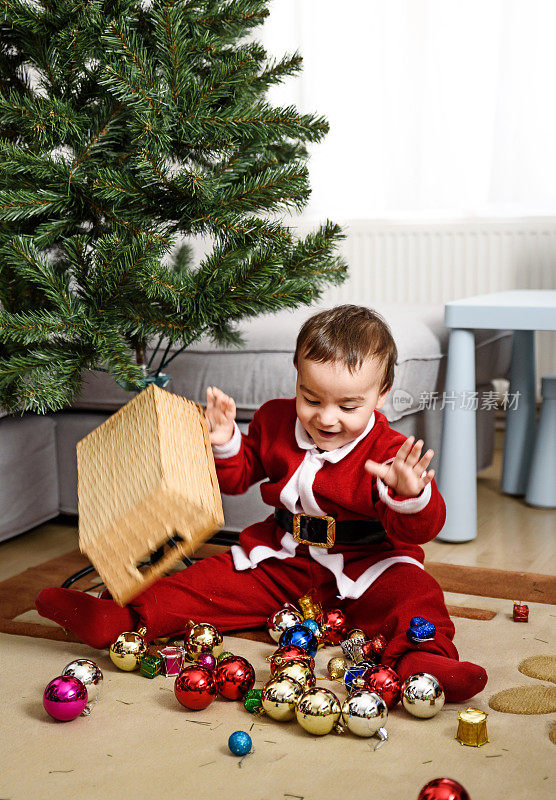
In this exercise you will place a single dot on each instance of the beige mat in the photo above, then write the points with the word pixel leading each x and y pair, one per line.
pixel 139 742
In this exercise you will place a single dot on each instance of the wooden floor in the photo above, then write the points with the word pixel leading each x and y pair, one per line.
pixel 511 535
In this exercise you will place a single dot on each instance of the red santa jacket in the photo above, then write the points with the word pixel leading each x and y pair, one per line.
pixel 296 476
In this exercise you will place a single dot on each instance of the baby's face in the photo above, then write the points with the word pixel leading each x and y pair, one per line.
pixel 335 405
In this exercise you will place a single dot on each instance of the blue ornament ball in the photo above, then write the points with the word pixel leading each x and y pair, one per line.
pixel 312 625
pixel 240 743
pixel 302 637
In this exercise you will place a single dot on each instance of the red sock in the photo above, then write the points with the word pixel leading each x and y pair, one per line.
pixel 95 621
pixel 460 679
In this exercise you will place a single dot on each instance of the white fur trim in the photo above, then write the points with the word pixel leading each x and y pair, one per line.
pixel 410 505
pixel 260 553
pixel 229 449
pixel 297 494
pixel 347 587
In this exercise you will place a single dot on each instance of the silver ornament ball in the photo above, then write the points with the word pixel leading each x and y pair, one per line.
pixel 88 673
pixel 281 620
pixel 364 712
pixel 422 695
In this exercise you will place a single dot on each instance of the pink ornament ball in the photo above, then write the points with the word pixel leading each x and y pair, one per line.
pixel 65 698
pixel 207 660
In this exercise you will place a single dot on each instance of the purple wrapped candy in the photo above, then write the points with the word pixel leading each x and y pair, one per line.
pixel 206 660
pixel 65 698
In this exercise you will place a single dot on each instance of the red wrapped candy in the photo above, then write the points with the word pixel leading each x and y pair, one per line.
pixel 195 687
pixel 385 682
pixel 374 647
pixel 234 677
pixel 287 653
pixel 333 625
pixel 443 789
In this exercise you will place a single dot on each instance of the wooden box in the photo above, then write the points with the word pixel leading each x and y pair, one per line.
pixel 146 476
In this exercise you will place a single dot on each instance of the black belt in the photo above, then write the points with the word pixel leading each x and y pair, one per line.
pixel 325 531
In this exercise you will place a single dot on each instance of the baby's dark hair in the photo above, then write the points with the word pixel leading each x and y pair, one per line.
pixel 348 334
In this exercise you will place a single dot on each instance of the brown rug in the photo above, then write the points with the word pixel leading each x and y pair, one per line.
pixel 18 593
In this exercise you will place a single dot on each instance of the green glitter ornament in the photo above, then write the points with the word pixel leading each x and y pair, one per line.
pixel 253 702
pixel 225 654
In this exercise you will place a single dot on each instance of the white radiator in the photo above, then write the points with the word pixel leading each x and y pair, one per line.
pixel 436 262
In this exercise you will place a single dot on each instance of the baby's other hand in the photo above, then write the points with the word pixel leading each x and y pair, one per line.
pixel 220 414
pixel 407 474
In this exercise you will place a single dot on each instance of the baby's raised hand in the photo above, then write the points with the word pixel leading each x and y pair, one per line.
pixel 407 474
pixel 220 414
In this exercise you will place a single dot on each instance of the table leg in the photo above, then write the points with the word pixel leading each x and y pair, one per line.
pixel 520 415
pixel 457 478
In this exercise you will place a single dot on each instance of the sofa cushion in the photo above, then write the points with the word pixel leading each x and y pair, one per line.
pixel 263 368
pixel 29 485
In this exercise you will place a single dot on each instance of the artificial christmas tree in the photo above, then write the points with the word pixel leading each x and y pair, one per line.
pixel 126 128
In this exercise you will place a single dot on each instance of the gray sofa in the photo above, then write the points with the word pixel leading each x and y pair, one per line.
pixel 38 467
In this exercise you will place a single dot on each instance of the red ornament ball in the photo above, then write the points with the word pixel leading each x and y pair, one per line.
pixel 385 682
pixel 374 647
pixel 333 625
pixel 289 652
pixel 443 789
pixel 195 687
pixel 234 677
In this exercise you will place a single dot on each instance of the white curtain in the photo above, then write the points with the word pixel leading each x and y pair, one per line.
pixel 437 108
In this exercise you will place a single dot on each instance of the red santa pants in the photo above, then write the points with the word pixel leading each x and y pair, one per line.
pixel 212 590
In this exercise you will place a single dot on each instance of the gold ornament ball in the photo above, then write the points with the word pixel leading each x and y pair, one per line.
pixel 203 638
pixel 279 697
pixel 318 711
pixel 356 633
pixel 337 667
pixel 128 649
pixel 299 671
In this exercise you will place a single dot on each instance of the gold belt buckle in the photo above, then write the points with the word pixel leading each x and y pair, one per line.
pixel 330 530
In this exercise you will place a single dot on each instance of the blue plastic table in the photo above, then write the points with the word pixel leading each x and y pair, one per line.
pixel 523 312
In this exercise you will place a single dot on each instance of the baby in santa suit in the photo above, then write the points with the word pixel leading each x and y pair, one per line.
pixel 327 453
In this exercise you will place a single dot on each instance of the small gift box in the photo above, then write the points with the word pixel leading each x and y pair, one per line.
pixel 521 612
pixel 352 649
pixel 172 660
pixel 150 666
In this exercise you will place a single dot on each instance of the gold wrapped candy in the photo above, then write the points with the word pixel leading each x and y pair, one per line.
pixel 472 727
pixel 309 609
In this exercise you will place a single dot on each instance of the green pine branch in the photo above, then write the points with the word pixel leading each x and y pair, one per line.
pixel 125 129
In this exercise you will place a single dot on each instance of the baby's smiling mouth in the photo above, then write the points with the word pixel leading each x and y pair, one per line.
pixel 327 434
